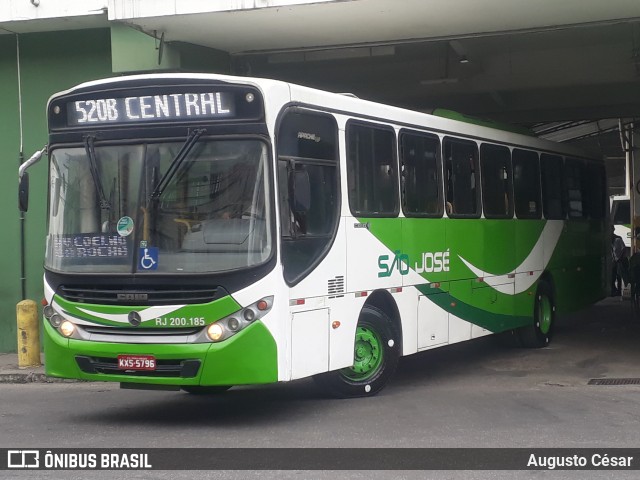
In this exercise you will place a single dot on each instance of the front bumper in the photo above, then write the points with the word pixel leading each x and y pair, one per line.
pixel 249 357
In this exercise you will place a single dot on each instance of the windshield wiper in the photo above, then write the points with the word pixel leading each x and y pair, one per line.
pixel 95 174
pixel 191 140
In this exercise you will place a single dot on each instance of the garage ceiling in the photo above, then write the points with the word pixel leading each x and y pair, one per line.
pixel 528 62
pixel 515 61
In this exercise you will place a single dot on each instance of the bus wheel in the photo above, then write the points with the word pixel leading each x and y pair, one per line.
pixel 508 338
pixel 539 333
pixel 376 353
pixel 198 390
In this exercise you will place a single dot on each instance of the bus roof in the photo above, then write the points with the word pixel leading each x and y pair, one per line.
pixel 349 105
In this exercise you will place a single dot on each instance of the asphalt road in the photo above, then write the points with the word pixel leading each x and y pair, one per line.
pixel 475 394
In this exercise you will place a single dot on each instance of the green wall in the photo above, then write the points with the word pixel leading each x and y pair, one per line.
pixel 9 145
pixel 51 62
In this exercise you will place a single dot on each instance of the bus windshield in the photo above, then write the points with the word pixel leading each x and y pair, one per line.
pixel 107 215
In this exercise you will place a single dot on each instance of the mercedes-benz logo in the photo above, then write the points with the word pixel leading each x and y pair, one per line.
pixel 134 319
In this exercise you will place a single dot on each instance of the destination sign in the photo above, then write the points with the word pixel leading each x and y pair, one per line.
pixel 85 245
pixel 152 108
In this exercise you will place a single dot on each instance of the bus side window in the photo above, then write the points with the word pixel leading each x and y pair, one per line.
pixel 573 186
pixel 526 184
pixel 551 179
pixel 372 171
pixel 421 171
pixel 462 177
pixel 496 181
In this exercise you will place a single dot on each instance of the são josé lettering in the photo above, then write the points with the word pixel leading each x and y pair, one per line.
pixel 597 460
pixel 429 262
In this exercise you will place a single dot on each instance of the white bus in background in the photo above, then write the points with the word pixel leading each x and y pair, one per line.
pixel 621 217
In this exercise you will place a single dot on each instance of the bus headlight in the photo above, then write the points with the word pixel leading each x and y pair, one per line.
pixel 229 326
pixel 67 328
pixel 53 316
pixel 215 332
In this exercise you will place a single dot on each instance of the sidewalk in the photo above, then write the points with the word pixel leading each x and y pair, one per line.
pixel 11 373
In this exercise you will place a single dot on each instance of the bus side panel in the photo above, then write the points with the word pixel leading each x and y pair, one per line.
pixel 376 260
pixel 529 247
pixel 325 288
pixel 323 279
pixel 496 300
pixel 465 240
pixel 527 235
pixel 581 279
pixel 433 323
pixel 575 270
pixel 499 253
pixel 424 242
pixel 309 343
pixel 375 257
pixel 495 294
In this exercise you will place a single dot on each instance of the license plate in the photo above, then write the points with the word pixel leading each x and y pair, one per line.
pixel 136 362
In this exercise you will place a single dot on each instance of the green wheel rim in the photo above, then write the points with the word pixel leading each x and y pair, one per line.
pixel 368 354
pixel 545 314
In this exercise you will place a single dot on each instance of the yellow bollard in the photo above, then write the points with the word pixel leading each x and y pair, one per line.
pixel 28 334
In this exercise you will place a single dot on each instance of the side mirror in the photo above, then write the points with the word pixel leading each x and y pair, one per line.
pixel 23 182
pixel 23 193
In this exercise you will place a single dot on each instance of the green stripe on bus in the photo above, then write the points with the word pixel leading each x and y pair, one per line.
pixel 99 314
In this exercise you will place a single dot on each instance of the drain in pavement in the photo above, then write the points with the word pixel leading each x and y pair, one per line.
pixel 614 381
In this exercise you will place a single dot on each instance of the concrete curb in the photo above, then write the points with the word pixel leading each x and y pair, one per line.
pixel 33 377
pixel 10 372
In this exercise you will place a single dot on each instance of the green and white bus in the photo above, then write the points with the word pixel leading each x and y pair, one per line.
pixel 207 231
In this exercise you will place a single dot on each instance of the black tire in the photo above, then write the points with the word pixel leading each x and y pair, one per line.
pixel 198 390
pixel 508 339
pixel 540 332
pixel 376 354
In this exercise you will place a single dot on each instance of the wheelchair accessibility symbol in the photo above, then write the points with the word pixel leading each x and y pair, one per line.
pixel 148 258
